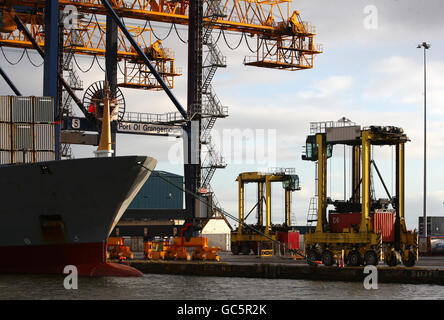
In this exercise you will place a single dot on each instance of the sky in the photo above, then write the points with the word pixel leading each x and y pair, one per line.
pixel 370 72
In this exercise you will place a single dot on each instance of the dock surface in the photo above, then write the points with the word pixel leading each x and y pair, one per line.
pixel 429 270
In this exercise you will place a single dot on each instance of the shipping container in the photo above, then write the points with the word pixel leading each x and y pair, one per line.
pixel 41 156
pixel 290 239
pixel 23 157
pixel 5 136
pixel 340 221
pixel 435 226
pixel 5 157
pixel 5 108
pixel 44 137
pixel 343 133
pixel 22 109
pixel 43 110
pixel 384 221
pixel 22 136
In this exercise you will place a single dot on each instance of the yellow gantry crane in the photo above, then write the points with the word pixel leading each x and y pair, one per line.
pixel 246 239
pixel 362 242
pixel 284 40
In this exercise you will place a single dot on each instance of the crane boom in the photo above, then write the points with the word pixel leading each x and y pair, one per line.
pixel 284 41
pixel 89 38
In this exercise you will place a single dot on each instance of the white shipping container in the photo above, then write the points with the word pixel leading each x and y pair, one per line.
pixel 5 136
pixel 44 137
pixel 41 156
pixel 23 138
pixel 5 157
pixel 5 108
pixel 43 109
pixel 23 157
pixel 22 109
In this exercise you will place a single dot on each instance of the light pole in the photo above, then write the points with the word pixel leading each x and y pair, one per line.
pixel 426 46
pixel 344 120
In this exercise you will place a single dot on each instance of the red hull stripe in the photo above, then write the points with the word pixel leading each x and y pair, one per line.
pixel 52 259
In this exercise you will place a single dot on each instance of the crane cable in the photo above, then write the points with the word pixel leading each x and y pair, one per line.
pixel 226 214
pixel 12 63
pixel 258 47
pixel 103 69
pixel 177 32
pixel 130 73
pixel 226 42
pixel 154 34
pixel 34 64
pixel 88 69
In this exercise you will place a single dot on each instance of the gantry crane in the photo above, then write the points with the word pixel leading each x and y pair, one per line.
pixel 366 237
pixel 246 238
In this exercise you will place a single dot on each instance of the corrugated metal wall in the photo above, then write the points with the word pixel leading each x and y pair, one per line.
pixel 44 137
pixel 5 109
pixel 43 110
pixel 22 109
pixel 159 194
pixel 5 136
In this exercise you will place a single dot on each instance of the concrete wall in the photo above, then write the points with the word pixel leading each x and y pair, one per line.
pixel 221 240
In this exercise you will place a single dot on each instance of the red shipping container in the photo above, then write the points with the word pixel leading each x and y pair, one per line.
pixel 339 221
pixel 291 239
pixel 385 221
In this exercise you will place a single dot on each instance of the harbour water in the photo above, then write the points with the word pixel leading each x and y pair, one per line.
pixel 175 287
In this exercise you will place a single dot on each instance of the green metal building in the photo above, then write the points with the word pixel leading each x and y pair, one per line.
pixel 157 193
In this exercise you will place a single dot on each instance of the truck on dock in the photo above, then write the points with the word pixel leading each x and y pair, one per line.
pixel 363 230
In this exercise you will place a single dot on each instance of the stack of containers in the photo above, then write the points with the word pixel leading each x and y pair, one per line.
pixel 44 129
pixel 5 130
pixel 26 129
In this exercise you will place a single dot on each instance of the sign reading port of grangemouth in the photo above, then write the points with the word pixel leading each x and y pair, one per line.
pixel 151 129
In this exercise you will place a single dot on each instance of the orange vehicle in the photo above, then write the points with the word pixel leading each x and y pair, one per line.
pixel 200 244
pixel 115 249
pixel 155 250
pixel 206 253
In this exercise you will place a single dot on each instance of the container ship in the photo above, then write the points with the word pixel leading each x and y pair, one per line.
pixel 58 212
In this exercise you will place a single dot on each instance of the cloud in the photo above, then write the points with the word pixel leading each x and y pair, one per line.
pixel 326 87
pixel 341 23
pixel 400 80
